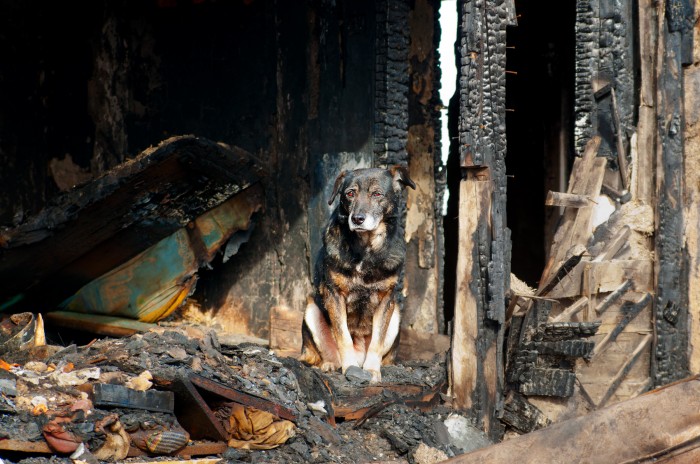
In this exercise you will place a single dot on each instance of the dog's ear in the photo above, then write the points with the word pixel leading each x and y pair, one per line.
pixel 336 186
pixel 400 175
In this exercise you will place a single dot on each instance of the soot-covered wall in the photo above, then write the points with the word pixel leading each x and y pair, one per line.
pixel 308 87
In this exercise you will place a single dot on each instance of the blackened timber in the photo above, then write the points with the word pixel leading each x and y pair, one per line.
pixel 482 145
pixel 523 360
pixel 522 415
pixel 123 397
pixel 670 361
pixel 547 382
pixel 535 320
pixel 563 348
pixel 555 331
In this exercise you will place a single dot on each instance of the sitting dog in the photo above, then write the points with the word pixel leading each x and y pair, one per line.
pixel 353 319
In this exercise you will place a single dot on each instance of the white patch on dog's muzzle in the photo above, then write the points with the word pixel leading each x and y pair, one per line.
pixel 369 224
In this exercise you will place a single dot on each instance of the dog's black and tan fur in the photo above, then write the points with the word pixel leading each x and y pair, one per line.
pixel 353 320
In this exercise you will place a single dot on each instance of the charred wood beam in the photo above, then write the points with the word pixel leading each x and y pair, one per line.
pixel 670 360
pixel 547 382
pixel 563 348
pixel 522 415
pixel 555 331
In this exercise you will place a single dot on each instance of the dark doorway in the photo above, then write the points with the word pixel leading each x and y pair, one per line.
pixel 539 125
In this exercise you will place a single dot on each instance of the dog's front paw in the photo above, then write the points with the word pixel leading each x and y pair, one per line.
pixel 349 358
pixel 376 375
pixel 329 366
pixel 372 365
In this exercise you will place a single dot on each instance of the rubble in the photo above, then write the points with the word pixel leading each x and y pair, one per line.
pixel 180 392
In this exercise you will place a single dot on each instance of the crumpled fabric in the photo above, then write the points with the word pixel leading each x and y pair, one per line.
pixel 253 429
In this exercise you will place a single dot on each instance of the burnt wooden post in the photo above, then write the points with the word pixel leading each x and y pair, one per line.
pixel 670 362
pixel 484 252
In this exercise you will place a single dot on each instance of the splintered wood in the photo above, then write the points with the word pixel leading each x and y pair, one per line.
pixel 584 339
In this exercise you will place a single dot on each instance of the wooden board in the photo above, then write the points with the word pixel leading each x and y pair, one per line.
pixel 637 430
pixel 575 228
pixel 472 370
pixel 608 276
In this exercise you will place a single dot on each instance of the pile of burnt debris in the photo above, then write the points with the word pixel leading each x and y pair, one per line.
pixel 182 391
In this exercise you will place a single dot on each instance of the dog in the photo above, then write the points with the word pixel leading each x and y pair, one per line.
pixel 353 318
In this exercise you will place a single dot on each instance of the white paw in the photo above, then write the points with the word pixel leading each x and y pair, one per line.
pixel 376 376
pixel 348 358
pixel 372 365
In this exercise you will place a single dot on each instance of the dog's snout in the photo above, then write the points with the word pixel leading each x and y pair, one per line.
pixel 358 219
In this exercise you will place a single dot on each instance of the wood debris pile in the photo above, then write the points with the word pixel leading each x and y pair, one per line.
pixel 178 391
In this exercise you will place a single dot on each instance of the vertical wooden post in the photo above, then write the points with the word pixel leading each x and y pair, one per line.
pixel 671 360
pixel 484 249
pixel 468 384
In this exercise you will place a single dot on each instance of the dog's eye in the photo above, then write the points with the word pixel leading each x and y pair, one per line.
pixel 377 194
pixel 350 194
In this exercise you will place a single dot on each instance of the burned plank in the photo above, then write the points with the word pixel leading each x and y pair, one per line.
pixel 563 348
pixel 670 360
pixel 547 382
pixel 522 415
pixel 520 362
pixel 535 319
pixel 554 331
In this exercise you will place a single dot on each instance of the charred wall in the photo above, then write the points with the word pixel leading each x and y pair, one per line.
pixel 309 87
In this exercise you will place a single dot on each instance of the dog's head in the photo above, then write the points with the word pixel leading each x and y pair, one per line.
pixel 369 195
